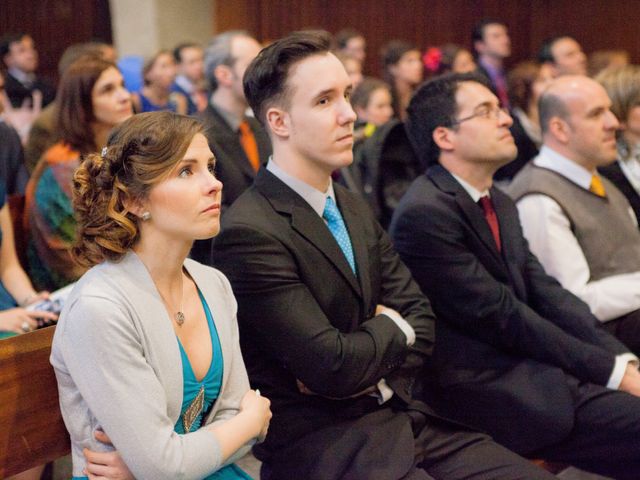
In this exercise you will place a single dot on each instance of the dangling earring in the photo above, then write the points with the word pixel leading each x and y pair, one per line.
pixel 146 216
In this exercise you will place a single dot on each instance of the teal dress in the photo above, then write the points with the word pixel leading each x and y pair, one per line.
pixel 199 396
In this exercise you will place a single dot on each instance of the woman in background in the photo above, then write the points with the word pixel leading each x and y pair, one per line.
pixel 91 101
pixel 16 291
pixel 159 74
pixel 623 87
pixel 146 350
pixel 371 100
pixel 403 71
pixel 448 58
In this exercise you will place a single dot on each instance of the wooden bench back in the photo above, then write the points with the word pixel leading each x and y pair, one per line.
pixel 31 428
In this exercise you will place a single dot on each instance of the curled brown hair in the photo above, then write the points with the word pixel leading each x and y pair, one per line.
pixel 140 152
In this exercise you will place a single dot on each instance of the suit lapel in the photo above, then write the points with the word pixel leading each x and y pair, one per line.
pixel 471 210
pixel 306 222
pixel 229 141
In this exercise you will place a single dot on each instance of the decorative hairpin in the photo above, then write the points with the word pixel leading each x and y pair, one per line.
pixel 104 152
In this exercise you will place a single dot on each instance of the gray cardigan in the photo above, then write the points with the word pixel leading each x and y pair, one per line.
pixel 118 366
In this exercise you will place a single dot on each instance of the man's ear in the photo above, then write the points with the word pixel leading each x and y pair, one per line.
pixel 278 121
pixel 560 129
pixel 223 75
pixel 444 137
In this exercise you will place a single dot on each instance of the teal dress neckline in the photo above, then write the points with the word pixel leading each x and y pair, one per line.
pixel 199 396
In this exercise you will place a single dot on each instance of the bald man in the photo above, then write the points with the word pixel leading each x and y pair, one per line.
pixel 578 224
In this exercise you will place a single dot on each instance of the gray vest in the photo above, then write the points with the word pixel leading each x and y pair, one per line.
pixel 609 240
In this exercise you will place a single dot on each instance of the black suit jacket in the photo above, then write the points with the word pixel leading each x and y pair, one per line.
pixel 614 173
pixel 511 341
pixel 233 168
pixel 17 92
pixel 305 316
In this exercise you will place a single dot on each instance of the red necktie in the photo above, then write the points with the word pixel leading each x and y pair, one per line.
pixel 492 219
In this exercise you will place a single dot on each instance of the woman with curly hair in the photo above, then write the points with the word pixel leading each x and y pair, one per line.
pixel 146 351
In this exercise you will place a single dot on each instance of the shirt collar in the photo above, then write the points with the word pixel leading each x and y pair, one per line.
pixel 21 76
pixel 473 192
pixel 232 120
pixel 552 160
pixel 491 70
pixel 315 198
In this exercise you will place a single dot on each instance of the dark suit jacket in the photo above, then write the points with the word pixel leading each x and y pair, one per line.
pixel 17 92
pixel 511 341
pixel 304 315
pixel 233 168
pixel 614 173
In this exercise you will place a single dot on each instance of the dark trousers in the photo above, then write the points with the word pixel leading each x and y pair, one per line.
pixel 441 450
pixel 626 329
pixel 606 435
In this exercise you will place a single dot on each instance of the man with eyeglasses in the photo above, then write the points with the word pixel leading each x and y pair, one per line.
pixel 516 355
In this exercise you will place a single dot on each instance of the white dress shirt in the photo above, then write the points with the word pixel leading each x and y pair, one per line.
pixel 317 200
pixel 548 231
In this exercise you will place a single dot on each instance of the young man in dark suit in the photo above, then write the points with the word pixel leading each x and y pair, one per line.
pixel 333 328
pixel 516 355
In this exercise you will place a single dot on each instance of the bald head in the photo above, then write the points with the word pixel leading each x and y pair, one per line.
pixel 564 95
pixel 576 120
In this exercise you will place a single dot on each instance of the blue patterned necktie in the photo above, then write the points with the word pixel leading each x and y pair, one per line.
pixel 339 230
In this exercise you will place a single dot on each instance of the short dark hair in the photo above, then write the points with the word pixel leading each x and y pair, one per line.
pixel 545 55
pixel 265 80
pixel 520 82
pixel 344 35
pixel 550 105
pixel 7 40
pixel 177 51
pixel 434 105
pixel 477 34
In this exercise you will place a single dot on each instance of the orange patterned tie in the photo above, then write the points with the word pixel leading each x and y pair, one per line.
pixel 249 145
pixel 597 187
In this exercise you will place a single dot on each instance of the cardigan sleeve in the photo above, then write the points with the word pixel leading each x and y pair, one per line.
pixel 103 353
pixel 237 384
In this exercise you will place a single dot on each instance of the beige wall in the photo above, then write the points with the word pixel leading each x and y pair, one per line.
pixel 141 27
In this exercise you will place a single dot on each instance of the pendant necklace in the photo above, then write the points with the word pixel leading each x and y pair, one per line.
pixel 179 315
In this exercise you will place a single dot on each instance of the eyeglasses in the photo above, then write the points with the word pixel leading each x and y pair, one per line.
pixel 484 111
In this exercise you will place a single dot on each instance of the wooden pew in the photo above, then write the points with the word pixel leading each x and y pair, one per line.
pixel 31 428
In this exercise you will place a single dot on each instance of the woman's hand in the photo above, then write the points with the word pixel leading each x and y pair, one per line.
pixel 257 406
pixel 35 297
pixel 19 320
pixel 105 465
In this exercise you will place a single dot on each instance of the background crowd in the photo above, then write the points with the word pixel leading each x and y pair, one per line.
pixel 45 132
